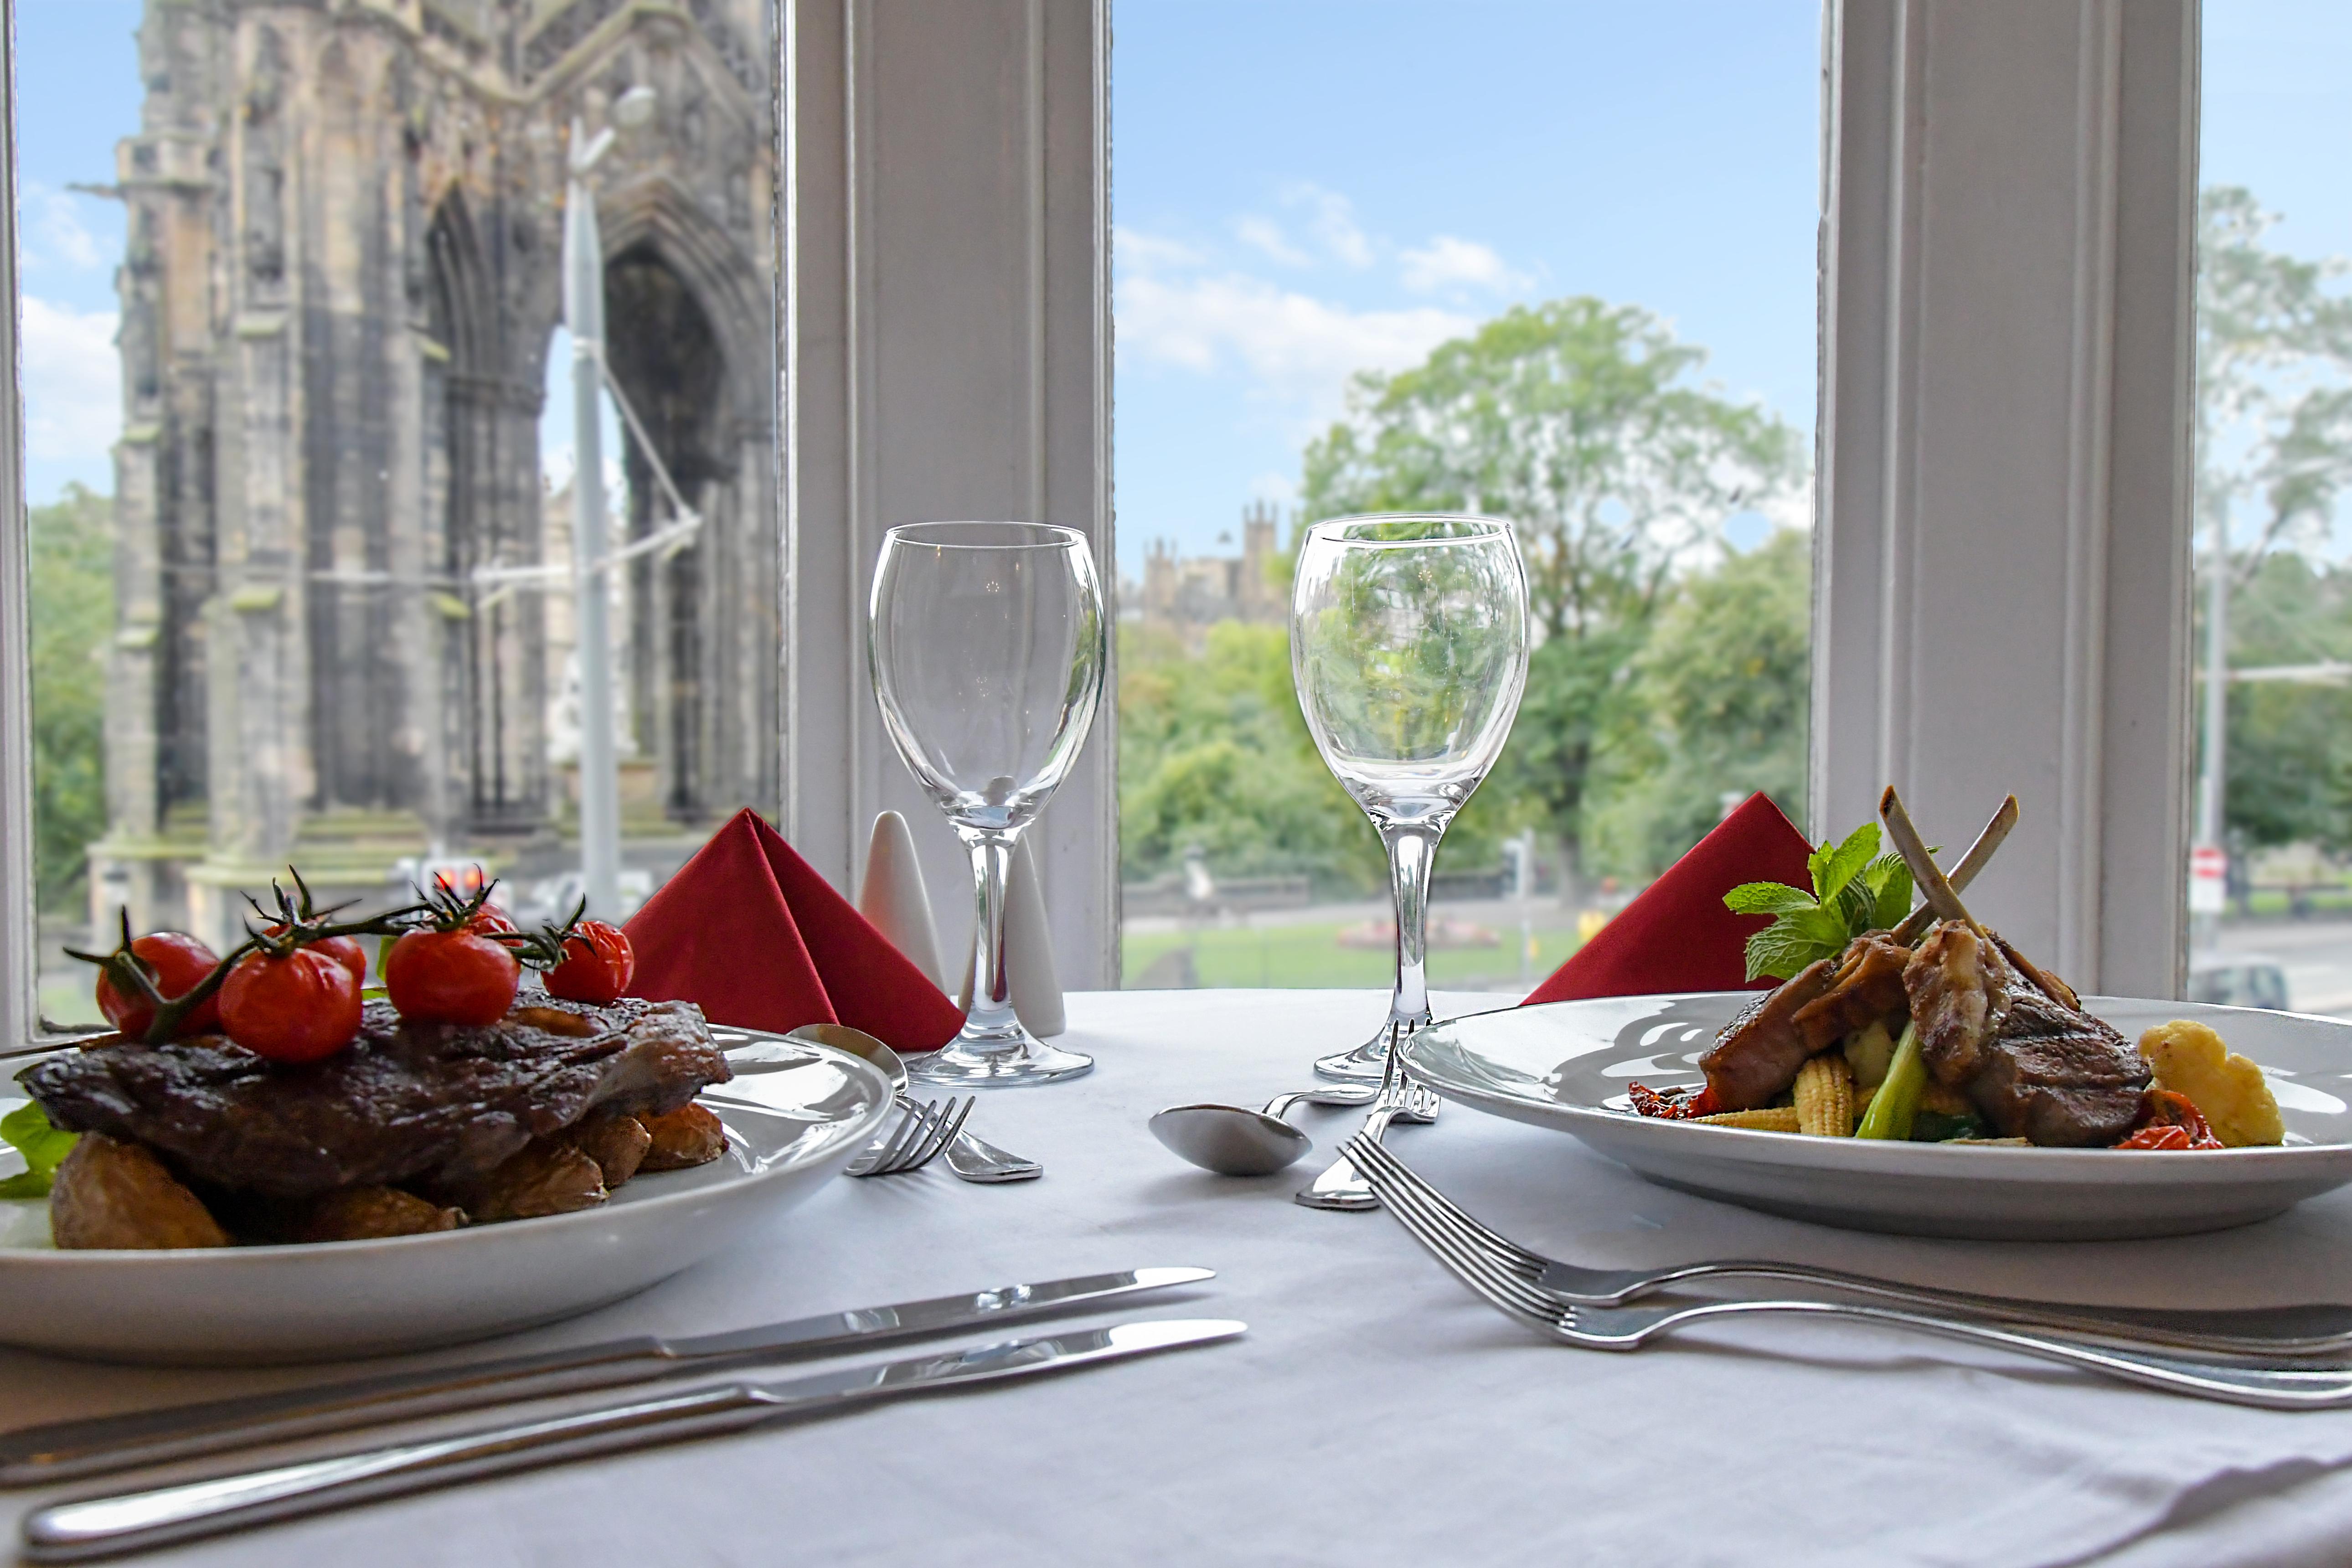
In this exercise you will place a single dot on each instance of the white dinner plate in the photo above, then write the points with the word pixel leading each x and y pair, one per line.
pixel 1567 1064
pixel 795 1114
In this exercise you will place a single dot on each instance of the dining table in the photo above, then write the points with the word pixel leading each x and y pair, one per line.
pixel 1376 1412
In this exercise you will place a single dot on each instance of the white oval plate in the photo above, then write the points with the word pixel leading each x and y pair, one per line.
pixel 1567 1064
pixel 795 1114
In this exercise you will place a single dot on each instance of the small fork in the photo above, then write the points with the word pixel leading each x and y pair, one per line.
pixel 1631 1328
pixel 2314 1330
pixel 923 1133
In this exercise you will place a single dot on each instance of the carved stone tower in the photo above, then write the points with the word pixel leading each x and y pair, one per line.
pixel 341 281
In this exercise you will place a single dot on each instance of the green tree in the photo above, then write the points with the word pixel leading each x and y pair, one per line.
pixel 1577 420
pixel 70 543
pixel 1718 706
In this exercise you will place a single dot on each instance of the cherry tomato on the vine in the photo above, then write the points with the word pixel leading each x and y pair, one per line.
pixel 344 950
pixel 175 962
pixel 297 1008
pixel 490 920
pixel 598 964
pixel 451 977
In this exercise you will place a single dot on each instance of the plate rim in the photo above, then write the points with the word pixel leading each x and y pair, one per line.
pixel 191 1258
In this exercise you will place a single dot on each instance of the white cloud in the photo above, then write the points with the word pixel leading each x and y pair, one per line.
pixel 1133 248
pixel 1296 345
pixel 1447 261
pixel 1277 488
pixel 55 234
pixel 1265 234
pixel 1331 219
pixel 73 381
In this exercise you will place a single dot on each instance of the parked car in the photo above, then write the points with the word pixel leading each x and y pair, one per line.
pixel 2238 979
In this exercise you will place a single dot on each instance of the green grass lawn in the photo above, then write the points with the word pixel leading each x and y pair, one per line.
pixel 1311 956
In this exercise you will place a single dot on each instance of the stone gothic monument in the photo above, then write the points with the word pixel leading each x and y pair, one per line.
pixel 342 280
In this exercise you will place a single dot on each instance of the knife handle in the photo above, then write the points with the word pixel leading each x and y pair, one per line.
pixel 32 1455
pixel 71 1531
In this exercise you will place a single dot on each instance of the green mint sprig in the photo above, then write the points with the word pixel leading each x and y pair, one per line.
pixel 28 1131
pixel 1855 890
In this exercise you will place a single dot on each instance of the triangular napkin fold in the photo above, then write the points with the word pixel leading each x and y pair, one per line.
pixel 1677 936
pixel 752 933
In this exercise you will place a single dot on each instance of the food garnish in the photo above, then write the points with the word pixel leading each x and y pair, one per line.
pixel 28 1131
pixel 2170 1121
pixel 1897 1104
pixel 585 960
pixel 1855 890
pixel 2228 1089
pixel 295 1003
pixel 145 976
pixel 455 969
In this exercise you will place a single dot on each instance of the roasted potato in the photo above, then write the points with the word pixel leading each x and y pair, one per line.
pixel 616 1143
pixel 366 1214
pixel 114 1195
pixel 2191 1060
pixel 686 1136
pixel 545 1178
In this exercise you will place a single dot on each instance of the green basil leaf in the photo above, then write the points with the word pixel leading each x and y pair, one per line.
pixel 26 1185
pixel 27 1129
pixel 1846 862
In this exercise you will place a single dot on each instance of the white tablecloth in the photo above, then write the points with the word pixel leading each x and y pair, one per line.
pixel 1376 1413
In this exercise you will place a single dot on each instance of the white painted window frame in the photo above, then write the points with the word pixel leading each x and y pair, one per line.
pixel 945 350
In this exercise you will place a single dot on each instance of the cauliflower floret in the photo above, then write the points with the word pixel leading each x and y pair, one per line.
pixel 2191 1060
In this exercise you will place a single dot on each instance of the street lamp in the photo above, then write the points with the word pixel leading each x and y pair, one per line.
pixel 583 313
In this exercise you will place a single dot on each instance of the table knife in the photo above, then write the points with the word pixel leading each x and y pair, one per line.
pixel 98 1526
pixel 31 1454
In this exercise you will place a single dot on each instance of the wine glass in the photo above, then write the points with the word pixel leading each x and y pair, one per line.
pixel 1409 648
pixel 988 643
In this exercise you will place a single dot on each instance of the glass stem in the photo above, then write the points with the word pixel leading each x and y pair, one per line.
pixel 992 1017
pixel 1412 847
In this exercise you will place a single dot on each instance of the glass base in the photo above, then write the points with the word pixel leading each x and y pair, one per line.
pixel 1368 1063
pixel 1003 1065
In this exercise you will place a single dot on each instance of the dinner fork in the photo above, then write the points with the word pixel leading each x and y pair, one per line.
pixel 2312 1330
pixel 924 1131
pixel 1631 1328
pixel 1340 1187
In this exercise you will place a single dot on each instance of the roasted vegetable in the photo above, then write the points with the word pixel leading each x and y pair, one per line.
pixel 617 1143
pixel 366 1214
pixel 1867 1052
pixel 1893 1108
pixel 1825 1097
pixel 1771 1118
pixel 546 1178
pixel 115 1194
pixel 686 1136
pixel 2190 1060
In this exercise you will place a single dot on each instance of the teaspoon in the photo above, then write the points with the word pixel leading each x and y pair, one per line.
pixel 1235 1142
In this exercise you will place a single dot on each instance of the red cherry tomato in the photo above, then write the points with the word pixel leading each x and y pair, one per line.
pixel 490 920
pixel 344 950
pixel 451 977
pixel 175 962
pixel 297 1008
pixel 598 964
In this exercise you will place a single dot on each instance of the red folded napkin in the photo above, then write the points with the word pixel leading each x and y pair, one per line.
pixel 750 931
pixel 1677 936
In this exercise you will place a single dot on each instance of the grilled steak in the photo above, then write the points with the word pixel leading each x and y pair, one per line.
pixel 1759 1051
pixel 406 1101
pixel 2038 1067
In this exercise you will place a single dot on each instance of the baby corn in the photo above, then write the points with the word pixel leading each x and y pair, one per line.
pixel 1771 1118
pixel 1825 1098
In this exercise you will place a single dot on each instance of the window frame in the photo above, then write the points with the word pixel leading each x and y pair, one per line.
pixel 1015 94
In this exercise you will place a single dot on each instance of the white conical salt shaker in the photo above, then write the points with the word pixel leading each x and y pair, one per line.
pixel 1028 951
pixel 891 896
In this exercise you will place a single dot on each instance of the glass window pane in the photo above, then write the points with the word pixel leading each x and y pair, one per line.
pixel 2270 889
pixel 1550 261
pixel 301 438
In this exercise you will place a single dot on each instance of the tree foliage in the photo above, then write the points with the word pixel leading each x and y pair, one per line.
pixel 71 545
pixel 1580 422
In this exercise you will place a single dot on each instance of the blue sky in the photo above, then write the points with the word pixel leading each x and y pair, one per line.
pixel 1303 188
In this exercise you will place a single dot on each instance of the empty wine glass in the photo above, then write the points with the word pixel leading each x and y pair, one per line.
pixel 988 646
pixel 1409 648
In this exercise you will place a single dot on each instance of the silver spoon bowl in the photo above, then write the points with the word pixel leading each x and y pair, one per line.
pixel 1233 1140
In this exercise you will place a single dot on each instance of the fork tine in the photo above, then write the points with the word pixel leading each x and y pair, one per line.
pixel 877 1161
pixel 1487 1284
pixel 1486 1276
pixel 943 1129
pixel 1510 1251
